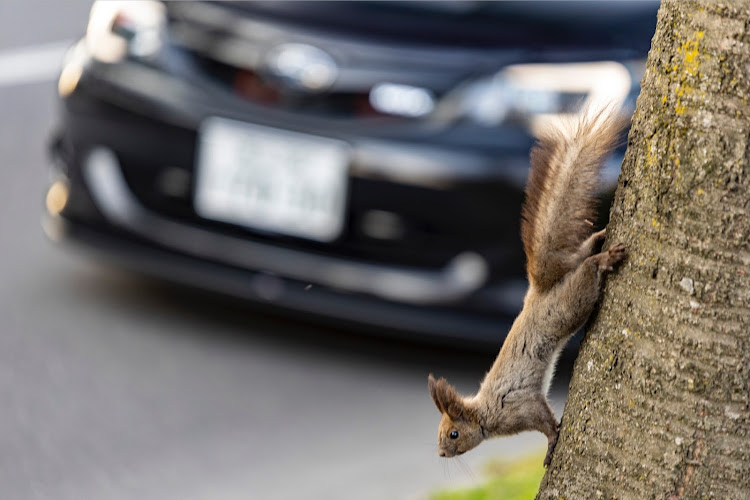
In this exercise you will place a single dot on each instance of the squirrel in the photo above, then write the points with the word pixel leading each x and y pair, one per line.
pixel 564 267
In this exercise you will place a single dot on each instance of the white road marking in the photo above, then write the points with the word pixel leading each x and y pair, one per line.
pixel 32 64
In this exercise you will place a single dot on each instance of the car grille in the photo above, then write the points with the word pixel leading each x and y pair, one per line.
pixel 231 49
pixel 254 87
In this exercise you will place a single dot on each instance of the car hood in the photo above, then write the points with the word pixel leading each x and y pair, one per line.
pixel 558 25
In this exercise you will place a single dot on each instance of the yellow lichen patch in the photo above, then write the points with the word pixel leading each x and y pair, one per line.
pixel 689 67
pixel 689 50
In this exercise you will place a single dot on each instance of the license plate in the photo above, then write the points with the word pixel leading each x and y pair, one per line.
pixel 271 180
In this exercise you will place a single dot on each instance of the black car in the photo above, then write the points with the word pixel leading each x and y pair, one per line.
pixel 363 161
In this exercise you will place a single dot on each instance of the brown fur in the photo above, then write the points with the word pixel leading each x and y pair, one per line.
pixel 564 273
pixel 561 193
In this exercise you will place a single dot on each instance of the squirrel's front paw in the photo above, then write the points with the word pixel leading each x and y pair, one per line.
pixel 615 254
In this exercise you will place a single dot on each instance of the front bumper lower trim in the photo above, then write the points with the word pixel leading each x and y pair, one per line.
pixel 462 276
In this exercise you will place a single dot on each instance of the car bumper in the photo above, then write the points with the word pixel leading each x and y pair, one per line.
pixel 278 294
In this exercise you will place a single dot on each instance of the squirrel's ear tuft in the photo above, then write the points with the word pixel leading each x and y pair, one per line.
pixel 447 399
pixel 432 384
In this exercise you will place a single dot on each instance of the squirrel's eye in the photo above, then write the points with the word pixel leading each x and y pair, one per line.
pixel 454 434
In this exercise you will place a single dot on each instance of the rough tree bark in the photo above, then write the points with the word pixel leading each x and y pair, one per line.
pixel 659 403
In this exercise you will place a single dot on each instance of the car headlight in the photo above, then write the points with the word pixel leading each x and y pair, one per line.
pixel 533 93
pixel 120 28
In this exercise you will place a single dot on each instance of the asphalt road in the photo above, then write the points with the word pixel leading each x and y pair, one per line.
pixel 118 387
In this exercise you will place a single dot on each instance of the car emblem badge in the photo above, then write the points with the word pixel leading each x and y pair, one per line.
pixel 302 67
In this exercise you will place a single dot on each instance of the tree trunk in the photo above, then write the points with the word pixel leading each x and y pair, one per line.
pixel 659 403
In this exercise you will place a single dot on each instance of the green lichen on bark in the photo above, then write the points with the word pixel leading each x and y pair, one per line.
pixel 659 403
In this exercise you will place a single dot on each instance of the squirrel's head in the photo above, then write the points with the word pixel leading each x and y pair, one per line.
pixel 459 429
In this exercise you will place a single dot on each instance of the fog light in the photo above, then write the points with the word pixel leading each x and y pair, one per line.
pixel 174 182
pixel 57 197
pixel 382 225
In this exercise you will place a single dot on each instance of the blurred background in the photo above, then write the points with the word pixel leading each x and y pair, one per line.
pixel 238 236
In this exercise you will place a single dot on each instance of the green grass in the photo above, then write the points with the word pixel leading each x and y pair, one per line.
pixel 505 480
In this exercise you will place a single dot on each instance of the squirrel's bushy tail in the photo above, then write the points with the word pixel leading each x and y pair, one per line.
pixel 560 203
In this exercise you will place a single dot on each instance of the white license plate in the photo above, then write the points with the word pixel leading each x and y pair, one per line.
pixel 272 180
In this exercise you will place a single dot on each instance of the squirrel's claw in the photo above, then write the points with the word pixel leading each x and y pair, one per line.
pixel 551 443
pixel 550 449
pixel 614 255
